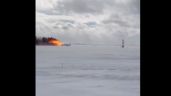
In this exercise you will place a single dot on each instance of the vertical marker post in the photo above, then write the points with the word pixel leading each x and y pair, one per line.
pixel 123 43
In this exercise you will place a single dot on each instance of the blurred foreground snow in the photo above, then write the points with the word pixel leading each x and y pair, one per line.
pixel 87 70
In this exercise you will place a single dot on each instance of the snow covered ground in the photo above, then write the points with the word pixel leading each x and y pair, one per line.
pixel 87 70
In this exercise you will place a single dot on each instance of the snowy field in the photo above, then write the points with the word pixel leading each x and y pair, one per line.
pixel 87 70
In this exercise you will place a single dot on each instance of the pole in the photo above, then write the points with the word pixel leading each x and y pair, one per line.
pixel 123 43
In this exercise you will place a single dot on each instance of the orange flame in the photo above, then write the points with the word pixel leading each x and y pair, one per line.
pixel 55 42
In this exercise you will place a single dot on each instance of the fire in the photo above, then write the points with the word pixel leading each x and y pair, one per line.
pixel 55 42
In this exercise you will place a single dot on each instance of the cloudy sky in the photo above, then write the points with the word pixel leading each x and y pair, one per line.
pixel 89 20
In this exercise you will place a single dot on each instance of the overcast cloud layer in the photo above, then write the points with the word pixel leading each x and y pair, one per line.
pixel 88 20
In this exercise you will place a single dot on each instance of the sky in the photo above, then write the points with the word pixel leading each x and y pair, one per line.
pixel 89 20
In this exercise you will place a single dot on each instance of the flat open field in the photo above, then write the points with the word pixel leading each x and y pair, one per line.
pixel 87 70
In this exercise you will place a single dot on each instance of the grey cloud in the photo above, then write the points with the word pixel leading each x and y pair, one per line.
pixel 123 20
pixel 71 29
pixel 116 19
pixel 91 24
pixel 135 6
pixel 42 29
pixel 81 6
pixel 69 21
pixel 49 12
pixel 65 24
pixel 65 7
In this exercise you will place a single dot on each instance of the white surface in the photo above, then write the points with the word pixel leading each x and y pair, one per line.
pixel 87 70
